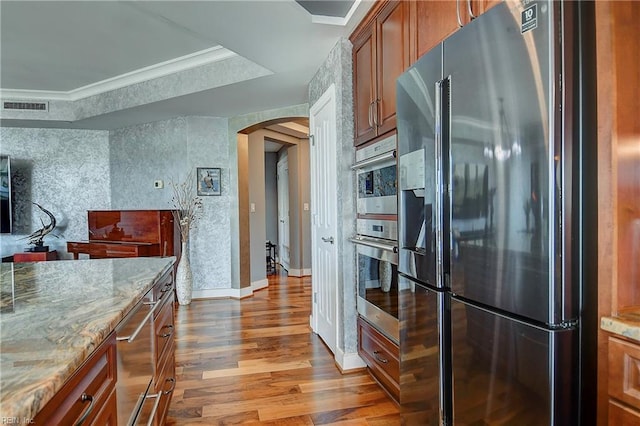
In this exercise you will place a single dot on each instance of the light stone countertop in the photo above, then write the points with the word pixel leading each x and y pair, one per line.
pixel 53 315
pixel 626 325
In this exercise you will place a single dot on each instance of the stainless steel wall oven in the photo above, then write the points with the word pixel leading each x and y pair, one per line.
pixel 377 235
pixel 376 172
pixel 377 281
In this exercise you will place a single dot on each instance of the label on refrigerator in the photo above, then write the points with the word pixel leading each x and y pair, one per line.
pixel 529 19
pixel 412 170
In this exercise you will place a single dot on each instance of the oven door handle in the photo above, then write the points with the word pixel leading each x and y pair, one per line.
pixel 154 306
pixel 375 244
pixel 374 160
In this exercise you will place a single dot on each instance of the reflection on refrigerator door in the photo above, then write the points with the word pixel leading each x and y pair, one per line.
pixel 508 372
pixel 421 332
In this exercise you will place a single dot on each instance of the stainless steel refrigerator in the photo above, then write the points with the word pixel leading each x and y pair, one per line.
pixel 490 195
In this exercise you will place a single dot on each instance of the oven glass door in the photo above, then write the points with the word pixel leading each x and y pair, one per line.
pixel 378 285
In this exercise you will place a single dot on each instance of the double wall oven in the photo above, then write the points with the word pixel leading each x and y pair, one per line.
pixel 377 235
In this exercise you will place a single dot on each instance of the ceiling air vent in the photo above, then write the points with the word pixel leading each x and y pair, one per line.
pixel 25 106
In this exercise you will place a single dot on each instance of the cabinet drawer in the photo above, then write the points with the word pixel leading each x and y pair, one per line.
pixel 117 250
pixel 164 385
pixel 108 414
pixel 381 355
pixel 620 415
pixel 624 371
pixel 95 378
pixel 164 284
pixel 164 327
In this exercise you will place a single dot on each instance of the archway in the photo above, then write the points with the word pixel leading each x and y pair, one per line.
pixel 259 147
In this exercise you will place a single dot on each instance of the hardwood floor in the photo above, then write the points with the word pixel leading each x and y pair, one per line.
pixel 256 361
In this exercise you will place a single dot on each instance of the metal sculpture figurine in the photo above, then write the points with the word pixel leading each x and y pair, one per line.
pixel 37 237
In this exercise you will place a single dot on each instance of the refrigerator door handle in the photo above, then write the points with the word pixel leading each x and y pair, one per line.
pixel 442 112
pixel 445 176
pixel 439 189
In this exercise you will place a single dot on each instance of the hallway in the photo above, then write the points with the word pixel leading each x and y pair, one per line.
pixel 255 361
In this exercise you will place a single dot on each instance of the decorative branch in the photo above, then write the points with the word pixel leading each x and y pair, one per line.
pixel 187 208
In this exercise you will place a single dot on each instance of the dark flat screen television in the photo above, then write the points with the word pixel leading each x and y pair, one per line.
pixel 5 195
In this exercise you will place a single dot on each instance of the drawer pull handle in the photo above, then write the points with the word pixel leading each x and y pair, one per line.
pixel 154 410
pixel 154 306
pixel 165 335
pixel 379 358
pixel 84 398
pixel 173 385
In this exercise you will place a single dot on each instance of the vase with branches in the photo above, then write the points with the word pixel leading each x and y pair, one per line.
pixel 186 211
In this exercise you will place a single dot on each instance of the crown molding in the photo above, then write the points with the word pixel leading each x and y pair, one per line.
pixel 336 20
pixel 162 69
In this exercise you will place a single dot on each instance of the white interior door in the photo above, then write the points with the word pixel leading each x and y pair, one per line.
pixel 324 216
pixel 283 212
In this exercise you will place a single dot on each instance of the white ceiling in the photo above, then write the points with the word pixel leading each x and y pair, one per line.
pixel 61 46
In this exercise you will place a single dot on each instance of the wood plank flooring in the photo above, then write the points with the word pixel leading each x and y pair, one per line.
pixel 256 361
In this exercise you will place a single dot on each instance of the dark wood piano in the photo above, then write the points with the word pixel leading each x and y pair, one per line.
pixel 128 233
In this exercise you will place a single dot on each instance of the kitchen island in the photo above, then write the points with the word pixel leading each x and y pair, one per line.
pixel 53 315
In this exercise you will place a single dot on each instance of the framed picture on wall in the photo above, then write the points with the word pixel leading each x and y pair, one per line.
pixel 208 180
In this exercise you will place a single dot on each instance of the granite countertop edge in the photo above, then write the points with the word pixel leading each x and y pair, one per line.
pixel 26 402
pixel 625 324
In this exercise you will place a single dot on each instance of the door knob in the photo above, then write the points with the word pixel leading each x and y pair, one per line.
pixel 328 240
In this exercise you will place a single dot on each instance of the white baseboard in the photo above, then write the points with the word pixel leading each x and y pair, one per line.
pixel 222 293
pixel 257 285
pixel 348 361
pixel 299 272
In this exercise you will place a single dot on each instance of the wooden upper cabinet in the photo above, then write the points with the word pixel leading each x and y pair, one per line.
pixel 431 21
pixel 380 55
pixel 393 59
pixel 625 104
pixel 393 35
pixel 364 93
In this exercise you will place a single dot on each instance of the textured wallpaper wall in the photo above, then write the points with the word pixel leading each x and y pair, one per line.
pixel 337 69
pixel 65 171
pixel 168 150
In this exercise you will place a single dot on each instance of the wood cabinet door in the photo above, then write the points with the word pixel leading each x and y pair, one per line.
pixel 392 59
pixel 481 6
pixel 433 21
pixel 364 95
